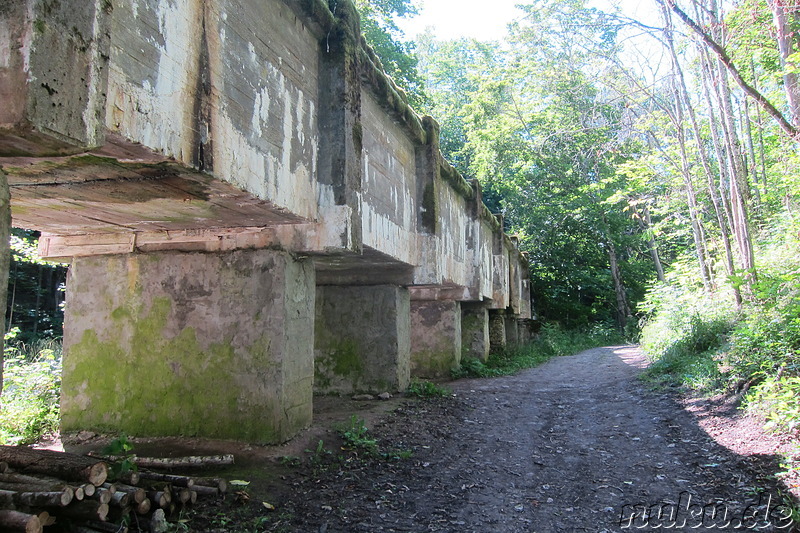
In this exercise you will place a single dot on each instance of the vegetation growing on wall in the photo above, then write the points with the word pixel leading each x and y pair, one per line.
pixel 397 55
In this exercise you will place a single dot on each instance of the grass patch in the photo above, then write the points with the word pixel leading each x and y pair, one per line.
pixel 552 341
pixel 427 389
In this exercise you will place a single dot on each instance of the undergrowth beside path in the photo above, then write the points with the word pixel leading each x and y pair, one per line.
pixel 552 341
pixel 702 344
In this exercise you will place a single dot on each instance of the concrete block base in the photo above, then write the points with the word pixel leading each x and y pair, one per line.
pixel 497 330
pixel 362 339
pixel 435 338
pixel 512 330
pixel 209 345
pixel 474 331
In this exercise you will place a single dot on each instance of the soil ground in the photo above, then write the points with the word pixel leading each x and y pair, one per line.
pixel 577 444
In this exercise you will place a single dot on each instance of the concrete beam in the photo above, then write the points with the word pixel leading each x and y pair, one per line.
pixel 299 238
pixel 439 292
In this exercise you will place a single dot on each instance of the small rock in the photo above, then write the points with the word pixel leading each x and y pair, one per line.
pixel 384 396
pixel 158 523
pixel 83 436
pixel 363 397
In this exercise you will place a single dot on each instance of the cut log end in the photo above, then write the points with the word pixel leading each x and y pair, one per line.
pixel 15 521
pixel 98 473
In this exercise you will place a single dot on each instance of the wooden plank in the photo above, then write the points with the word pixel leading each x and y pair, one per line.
pixel 85 245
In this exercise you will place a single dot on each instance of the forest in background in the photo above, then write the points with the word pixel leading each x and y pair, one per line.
pixel 649 169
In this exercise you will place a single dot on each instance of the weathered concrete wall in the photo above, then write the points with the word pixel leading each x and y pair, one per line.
pixel 229 87
pixel 435 338
pixel 362 339
pixel 390 202
pixel 53 59
pixel 213 345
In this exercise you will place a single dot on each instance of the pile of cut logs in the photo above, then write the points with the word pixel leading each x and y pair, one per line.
pixel 65 492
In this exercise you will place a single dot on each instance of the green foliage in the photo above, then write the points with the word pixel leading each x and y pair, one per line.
pixel 702 342
pixel 379 27
pixel 31 389
pixel 35 290
pixel 120 447
pixel 779 399
pixel 427 389
pixel 685 333
pixel 320 457
pixel 552 341
pixel 356 436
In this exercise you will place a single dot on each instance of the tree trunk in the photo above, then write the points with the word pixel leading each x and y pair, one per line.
pixel 5 256
pixel 698 232
pixel 730 157
pixel 752 167
pixel 10 499
pixel 760 124
pixel 623 310
pixel 784 15
pixel 738 186
pixel 646 224
pixel 707 168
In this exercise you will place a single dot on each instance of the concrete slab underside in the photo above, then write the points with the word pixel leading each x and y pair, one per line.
pixel 211 345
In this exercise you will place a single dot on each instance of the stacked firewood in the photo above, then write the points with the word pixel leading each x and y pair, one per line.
pixel 65 492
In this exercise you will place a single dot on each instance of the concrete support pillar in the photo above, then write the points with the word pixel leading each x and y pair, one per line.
pixel 435 338
pixel 512 329
pixel 210 345
pixel 362 339
pixel 525 327
pixel 497 330
pixel 474 331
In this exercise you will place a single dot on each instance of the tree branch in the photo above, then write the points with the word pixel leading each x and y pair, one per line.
pixel 751 91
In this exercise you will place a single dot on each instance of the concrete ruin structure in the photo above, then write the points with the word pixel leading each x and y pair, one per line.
pixel 251 211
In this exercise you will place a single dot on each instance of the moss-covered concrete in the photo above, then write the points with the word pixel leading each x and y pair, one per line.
pixel 190 344
pixel 497 330
pixel 474 331
pixel 435 338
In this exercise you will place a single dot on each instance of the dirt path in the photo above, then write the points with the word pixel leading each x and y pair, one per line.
pixel 577 444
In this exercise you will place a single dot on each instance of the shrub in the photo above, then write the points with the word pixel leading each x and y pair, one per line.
pixel 31 389
pixel 779 399
pixel 686 334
